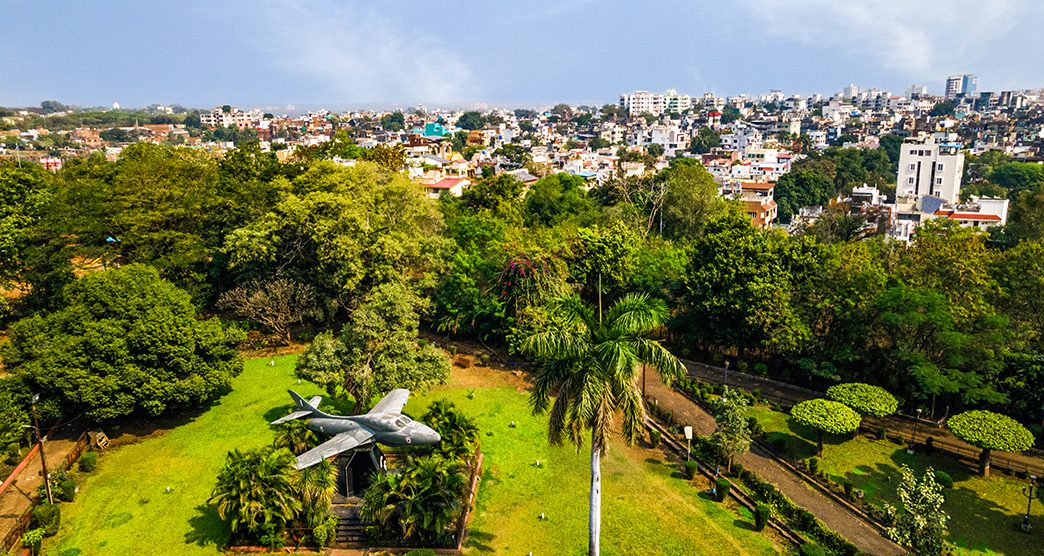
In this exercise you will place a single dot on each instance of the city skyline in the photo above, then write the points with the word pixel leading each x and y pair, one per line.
pixel 343 54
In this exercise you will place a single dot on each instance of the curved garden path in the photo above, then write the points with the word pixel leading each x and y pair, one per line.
pixel 835 516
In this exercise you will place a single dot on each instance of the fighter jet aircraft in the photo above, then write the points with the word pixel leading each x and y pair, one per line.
pixel 385 424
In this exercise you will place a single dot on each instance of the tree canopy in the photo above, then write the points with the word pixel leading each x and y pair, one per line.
pixel 127 342
pixel 864 398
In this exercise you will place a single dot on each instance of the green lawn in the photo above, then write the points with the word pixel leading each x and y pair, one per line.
pixel 984 512
pixel 646 510
pixel 124 507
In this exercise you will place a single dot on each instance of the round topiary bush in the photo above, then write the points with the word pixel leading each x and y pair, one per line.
pixel 990 431
pixel 692 468
pixel 654 438
pixel 88 462
pixel 944 479
pixel 864 398
pixel 827 417
pixel 762 512
pixel 722 488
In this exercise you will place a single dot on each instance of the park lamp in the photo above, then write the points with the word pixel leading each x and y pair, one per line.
pixel 1029 494
pixel 688 442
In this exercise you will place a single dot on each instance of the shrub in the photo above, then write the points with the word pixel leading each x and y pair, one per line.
pixel 722 487
pixel 804 519
pixel 32 539
pixel 755 427
pixel 47 517
pixel 452 349
pixel 692 468
pixel 63 487
pixel 944 479
pixel 779 445
pixel 654 438
pixel 929 444
pixel 741 366
pixel 484 359
pixel 813 465
pixel 762 512
pixel 325 532
pixel 812 549
pixel 760 369
pixel 848 489
pixel 881 433
pixel 737 469
pixel 12 453
pixel 420 552
pixel 88 462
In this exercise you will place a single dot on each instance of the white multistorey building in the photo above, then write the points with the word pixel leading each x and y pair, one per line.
pixel 640 102
pixel 930 169
pixel 233 118
pixel 928 187
pixel 676 103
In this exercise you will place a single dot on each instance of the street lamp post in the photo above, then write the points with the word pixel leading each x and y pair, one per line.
pixel 1028 492
pixel 43 459
pixel 726 372
pixel 913 439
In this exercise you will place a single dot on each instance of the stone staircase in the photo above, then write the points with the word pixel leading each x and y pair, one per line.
pixel 351 531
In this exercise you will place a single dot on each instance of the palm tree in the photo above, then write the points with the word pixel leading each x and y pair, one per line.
pixel 317 485
pixel 588 373
pixel 421 499
pixel 459 433
pixel 255 489
pixel 295 436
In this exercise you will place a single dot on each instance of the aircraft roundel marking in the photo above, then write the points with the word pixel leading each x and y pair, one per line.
pixel 409 440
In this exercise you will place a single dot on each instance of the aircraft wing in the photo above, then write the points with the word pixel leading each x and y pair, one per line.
pixel 341 443
pixel 291 417
pixel 393 402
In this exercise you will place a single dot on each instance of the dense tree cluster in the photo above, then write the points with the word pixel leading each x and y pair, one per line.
pixel 952 319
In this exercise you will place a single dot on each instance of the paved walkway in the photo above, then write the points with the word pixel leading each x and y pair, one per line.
pixel 835 516
pixel 17 498
pixel 788 394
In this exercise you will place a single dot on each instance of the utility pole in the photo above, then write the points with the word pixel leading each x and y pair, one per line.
pixel 43 459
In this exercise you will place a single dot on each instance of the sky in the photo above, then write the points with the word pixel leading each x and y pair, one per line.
pixel 276 53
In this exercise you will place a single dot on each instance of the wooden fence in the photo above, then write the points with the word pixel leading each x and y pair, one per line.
pixel 786 395
pixel 11 540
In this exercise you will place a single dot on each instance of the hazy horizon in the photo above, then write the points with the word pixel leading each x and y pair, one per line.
pixel 350 54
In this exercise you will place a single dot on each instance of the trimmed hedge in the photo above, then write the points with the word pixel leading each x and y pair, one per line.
pixel 796 517
pixel 864 398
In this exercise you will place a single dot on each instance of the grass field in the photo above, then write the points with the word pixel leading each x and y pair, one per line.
pixel 125 506
pixel 984 512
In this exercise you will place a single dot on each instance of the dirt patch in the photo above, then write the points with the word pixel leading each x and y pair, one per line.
pixel 478 376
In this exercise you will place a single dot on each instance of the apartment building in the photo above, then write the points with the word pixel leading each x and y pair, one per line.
pixel 930 168
pixel 641 102
pixel 757 199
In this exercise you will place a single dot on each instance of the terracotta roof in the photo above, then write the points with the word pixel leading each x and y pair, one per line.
pixel 447 183
pixel 951 215
pixel 757 186
pixel 973 216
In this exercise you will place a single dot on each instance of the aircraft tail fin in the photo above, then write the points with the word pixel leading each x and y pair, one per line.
pixel 304 409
